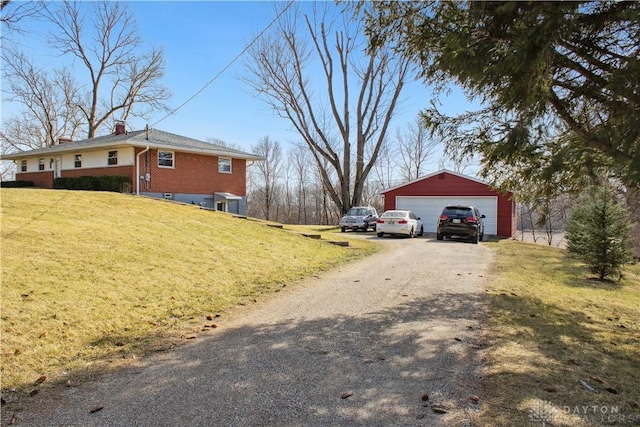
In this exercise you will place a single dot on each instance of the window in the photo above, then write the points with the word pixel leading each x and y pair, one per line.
pixel 224 165
pixel 23 166
pixel 41 164
pixel 78 161
pixel 113 158
pixel 165 159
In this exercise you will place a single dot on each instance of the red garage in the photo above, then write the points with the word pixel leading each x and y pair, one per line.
pixel 427 196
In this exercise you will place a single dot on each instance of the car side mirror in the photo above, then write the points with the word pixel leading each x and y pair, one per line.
pixel 482 216
pixel 419 218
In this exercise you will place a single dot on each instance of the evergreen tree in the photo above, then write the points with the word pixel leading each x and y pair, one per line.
pixel 598 233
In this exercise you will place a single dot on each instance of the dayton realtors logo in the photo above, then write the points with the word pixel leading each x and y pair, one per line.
pixel 545 411
pixel 602 414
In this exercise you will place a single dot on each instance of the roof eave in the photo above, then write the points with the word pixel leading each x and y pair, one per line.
pixel 117 144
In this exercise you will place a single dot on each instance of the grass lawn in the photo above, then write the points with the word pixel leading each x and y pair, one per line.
pixel 92 279
pixel 552 333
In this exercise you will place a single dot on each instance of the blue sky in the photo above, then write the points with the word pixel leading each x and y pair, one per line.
pixel 200 39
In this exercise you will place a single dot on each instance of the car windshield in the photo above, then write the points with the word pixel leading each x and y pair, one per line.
pixel 357 212
pixel 457 211
pixel 394 214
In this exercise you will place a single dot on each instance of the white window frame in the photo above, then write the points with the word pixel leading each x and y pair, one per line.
pixel 223 163
pixel 110 158
pixel 41 165
pixel 173 159
pixel 77 161
pixel 23 165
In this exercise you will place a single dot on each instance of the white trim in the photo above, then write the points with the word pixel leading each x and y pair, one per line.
pixel 110 158
pixel 230 164
pixel 173 159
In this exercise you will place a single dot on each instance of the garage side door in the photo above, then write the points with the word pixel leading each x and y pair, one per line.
pixel 430 208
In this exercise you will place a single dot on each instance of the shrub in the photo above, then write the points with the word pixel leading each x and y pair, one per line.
pixel 17 184
pixel 598 233
pixel 113 183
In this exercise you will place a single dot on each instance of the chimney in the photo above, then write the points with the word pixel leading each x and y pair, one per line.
pixel 121 128
pixel 64 140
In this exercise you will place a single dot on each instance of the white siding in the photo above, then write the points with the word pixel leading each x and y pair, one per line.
pixel 98 159
pixel 429 209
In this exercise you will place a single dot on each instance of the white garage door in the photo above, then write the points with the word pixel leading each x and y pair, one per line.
pixel 430 208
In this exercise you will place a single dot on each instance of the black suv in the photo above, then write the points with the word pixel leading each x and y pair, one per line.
pixel 461 221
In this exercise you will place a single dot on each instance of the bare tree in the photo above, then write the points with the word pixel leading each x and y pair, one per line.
pixel 47 97
pixel 415 148
pixel 109 52
pixel 123 81
pixel 265 176
pixel 384 167
pixel 362 92
pixel 223 143
pixel 12 13
pixel 458 164
pixel 299 163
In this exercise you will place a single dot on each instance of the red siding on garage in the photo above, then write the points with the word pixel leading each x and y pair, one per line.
pixel 445 184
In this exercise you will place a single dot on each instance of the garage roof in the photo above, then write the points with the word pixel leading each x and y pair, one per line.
pixel 431 175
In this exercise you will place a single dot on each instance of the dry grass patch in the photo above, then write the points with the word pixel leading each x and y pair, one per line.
pixel 553 333
pixel 91 279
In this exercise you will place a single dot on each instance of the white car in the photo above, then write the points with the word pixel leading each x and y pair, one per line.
pixel 399 222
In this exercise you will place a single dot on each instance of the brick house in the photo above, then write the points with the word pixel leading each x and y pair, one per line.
pixel 160 164
pixel 428 195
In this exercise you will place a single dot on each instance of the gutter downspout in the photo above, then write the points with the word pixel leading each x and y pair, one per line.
pixel 138 170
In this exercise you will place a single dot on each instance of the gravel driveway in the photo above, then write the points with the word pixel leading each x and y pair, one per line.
pixel 358 346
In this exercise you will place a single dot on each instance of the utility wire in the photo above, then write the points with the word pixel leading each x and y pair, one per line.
pixel 228 65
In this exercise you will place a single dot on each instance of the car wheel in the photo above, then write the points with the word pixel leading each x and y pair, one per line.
pixel 482 237
pixel 380 234
pixel 343 229
pixel 474 239
pixel 421 231
pixel 439 236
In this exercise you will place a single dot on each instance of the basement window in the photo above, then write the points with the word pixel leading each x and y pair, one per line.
pixel 224 165
pixel 112 159
pixel 165 159
pixel 23 166
pixel 78 161
pixel 41 164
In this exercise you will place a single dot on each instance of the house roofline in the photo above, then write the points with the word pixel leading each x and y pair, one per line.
pixel 132 139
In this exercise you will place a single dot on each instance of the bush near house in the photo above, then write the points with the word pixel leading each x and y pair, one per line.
pixel 17 184
pixel 113 183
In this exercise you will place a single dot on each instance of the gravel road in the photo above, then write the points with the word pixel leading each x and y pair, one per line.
pixel 358 346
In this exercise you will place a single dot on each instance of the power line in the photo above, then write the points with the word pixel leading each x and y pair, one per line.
pixel 228 65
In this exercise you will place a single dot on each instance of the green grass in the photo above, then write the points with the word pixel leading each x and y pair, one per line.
pixel 551 326
pixel 92 279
